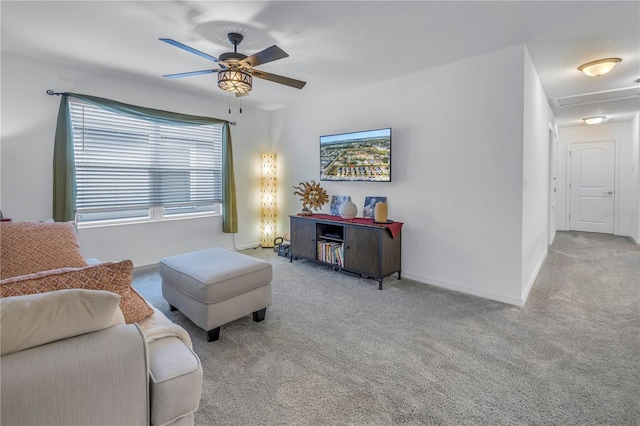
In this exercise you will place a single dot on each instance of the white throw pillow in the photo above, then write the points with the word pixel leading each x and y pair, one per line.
pixel 36 319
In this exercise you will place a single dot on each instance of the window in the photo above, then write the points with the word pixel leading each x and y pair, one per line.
pixel 129 169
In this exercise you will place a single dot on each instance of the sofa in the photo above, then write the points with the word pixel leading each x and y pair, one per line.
pixel 80 346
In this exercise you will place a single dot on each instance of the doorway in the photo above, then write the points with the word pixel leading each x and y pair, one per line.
pixel 553 182
pixel 591 186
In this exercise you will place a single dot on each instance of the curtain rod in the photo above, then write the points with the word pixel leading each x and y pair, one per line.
pixel 53 93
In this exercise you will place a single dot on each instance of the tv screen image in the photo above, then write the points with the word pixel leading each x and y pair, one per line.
pixel 356 156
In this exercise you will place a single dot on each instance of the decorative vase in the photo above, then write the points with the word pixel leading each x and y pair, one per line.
pixel 348 210
pixel 380 213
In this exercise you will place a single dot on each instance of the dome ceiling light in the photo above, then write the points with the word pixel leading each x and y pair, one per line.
pixel 599 67
pixel 594 120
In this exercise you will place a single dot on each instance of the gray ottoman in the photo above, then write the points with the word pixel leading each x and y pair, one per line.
pixel 215 286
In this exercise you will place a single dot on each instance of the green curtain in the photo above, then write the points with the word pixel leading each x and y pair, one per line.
pixel 64 170
pixel 230 213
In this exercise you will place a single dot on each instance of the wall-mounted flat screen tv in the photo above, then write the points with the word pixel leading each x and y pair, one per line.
pixel 357 156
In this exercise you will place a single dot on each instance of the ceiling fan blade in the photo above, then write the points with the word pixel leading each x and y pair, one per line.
pixel 279 79
pixel 188 74
pixel 267 55
pixel 189 49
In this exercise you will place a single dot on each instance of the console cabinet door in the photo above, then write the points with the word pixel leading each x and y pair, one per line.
pixel 361 247
pixel 303 238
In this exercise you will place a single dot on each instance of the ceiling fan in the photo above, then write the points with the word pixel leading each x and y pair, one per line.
pixel 236 70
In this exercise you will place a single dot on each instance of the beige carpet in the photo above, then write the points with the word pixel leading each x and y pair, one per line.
pixel 335 350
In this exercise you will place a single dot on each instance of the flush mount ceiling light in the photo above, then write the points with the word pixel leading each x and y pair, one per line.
pixel 235 81
pixel 599 67
pixel 594 120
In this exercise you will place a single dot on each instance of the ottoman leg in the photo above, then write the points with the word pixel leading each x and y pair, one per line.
pixel 259 315
pixel 213 335
pixel 172 308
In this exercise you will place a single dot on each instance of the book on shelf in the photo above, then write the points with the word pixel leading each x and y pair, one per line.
pixel 338 253
pixel 330 252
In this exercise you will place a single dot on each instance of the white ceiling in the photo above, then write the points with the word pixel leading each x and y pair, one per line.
pixel 335 45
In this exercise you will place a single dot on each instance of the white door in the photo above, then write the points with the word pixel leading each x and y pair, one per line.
pixel 592 186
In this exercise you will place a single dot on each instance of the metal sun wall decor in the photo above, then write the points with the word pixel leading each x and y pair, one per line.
pixel 313 196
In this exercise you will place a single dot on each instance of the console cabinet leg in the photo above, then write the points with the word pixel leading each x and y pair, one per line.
pixel 213 335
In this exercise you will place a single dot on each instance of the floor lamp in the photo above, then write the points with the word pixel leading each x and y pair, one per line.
pixel 268 199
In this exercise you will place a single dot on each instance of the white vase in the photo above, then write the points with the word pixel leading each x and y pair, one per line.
pixel 348 210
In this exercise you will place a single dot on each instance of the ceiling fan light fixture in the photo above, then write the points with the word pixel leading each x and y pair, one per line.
pixel 594 120
pixel 235 81
pixel 599 67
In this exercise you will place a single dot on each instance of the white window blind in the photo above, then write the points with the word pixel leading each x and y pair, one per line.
pixel 126 164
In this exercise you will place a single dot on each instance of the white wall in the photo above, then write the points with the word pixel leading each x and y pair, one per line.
pixel 28 126
pixel 459 142
pixel 457 167
pixel 625 203
pixel 535 179
pixel 635 178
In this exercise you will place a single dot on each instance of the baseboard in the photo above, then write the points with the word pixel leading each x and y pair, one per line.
pixel 464 289
pixel 534 275
pixel 152 266
pixel 248 246
pixel 633 240
pixel 481 293
pixel 145 268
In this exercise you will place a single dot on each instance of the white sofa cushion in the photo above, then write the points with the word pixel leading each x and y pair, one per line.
pixel 36 319
pixel 95 379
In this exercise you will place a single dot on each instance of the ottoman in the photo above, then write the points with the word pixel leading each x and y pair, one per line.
pixel 215 286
